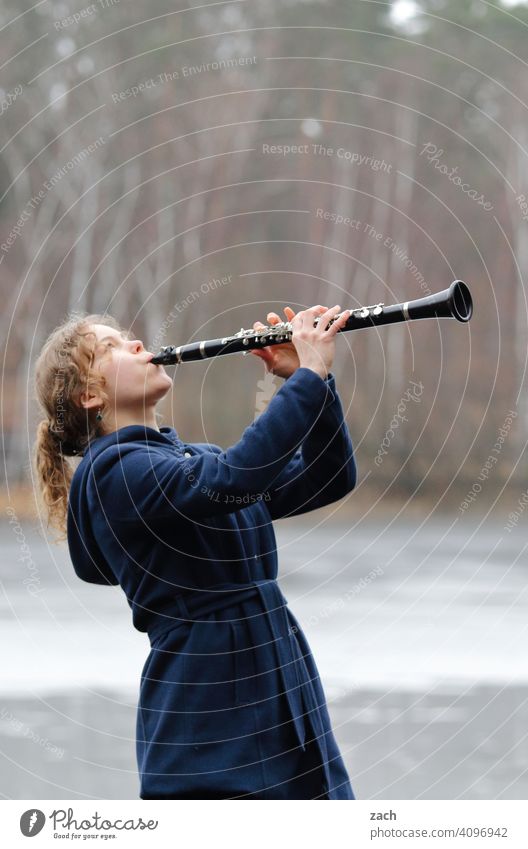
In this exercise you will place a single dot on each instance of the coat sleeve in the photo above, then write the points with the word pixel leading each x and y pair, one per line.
pixel 322 471
pixel 145 481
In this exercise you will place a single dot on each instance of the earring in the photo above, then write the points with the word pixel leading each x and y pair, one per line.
pixel 98 416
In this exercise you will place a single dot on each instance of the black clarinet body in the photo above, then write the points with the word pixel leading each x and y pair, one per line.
pixel 455 302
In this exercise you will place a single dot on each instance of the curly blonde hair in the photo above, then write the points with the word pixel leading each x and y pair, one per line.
pixel 63 371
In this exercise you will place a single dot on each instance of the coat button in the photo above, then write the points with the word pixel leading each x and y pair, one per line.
pixel 187 454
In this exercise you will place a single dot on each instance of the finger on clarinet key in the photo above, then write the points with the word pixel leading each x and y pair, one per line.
pixel 325 319
pixel 340 321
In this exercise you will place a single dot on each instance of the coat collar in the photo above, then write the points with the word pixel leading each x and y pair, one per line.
pixel 134 433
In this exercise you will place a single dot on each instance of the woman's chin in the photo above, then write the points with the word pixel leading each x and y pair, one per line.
pixel 165 384
pixel 158 373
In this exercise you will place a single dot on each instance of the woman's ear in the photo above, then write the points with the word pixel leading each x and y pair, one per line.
pixel 89 401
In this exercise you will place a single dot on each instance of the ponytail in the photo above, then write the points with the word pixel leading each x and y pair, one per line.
pixel 54 475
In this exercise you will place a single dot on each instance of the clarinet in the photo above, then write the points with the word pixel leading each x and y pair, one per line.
pixel 455 302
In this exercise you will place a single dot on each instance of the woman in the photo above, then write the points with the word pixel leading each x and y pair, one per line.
pixel 231 703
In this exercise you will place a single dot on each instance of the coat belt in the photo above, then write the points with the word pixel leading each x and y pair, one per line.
pixel 194 605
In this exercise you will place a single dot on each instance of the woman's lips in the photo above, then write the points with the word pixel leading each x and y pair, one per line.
pixel 156 365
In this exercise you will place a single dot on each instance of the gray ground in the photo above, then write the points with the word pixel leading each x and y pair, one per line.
pixel 420 635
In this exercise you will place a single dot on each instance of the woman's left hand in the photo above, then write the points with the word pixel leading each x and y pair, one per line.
pixel 281 359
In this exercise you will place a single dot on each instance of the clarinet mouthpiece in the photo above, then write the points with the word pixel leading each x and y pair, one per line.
pixel 166 356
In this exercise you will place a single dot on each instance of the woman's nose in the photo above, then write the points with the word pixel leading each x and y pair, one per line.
pixel 137 346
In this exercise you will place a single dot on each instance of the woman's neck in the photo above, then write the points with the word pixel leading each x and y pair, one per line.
pixel 123 418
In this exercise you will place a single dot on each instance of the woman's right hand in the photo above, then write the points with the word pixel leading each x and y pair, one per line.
pixel 316 345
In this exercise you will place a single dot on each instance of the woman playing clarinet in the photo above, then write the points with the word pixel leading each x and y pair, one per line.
pixel 231 705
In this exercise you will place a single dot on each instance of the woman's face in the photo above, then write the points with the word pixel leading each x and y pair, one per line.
pixel 132 381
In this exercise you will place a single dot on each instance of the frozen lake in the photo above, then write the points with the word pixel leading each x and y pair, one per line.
pixel 420 635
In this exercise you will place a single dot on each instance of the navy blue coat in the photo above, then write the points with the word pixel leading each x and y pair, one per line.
pixel 231 703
